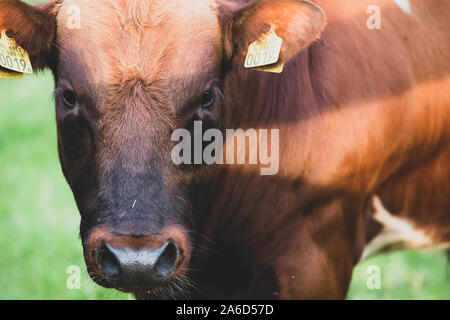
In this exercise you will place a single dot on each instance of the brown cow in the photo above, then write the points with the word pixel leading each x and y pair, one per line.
pixel 364 120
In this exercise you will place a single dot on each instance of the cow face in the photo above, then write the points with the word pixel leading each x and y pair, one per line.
pixel 127 74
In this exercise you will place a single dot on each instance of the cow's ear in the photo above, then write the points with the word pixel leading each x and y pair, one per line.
pixel 32 27
pixel 297 22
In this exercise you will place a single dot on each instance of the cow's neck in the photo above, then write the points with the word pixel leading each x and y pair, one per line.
pixel 264 101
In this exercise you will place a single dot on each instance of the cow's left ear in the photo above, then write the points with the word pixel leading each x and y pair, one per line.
pixel 32 27
pixel 297 22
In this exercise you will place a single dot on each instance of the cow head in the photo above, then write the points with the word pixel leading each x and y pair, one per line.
pixel 127 74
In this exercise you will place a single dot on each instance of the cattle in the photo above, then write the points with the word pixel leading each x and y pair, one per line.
pixel 364 127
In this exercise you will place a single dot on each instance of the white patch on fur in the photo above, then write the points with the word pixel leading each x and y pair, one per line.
pixel 404 5
pixel 395 231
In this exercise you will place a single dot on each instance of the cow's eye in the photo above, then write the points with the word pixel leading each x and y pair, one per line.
pixel 207 99
pixel 69 98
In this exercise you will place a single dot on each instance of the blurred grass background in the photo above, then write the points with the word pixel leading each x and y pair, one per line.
pixel 39 220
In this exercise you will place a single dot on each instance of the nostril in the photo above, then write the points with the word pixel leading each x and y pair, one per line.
pixel 127 267
pixel 108 262
pixel 165 265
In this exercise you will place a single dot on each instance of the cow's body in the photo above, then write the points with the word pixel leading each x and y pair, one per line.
pixel 362 113
pixel 364 120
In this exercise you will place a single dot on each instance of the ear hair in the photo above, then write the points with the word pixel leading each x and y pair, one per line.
pixel 228 11
pixel 34 28
pixel 298 22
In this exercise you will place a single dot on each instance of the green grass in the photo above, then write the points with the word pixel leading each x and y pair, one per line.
pixel 404 275
pixel 38 218
pixel 39 221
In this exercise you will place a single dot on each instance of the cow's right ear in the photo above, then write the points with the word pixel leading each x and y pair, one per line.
pixel 32 27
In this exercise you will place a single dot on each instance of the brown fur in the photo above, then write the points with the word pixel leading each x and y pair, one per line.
pixel 360 113
pixel 33 27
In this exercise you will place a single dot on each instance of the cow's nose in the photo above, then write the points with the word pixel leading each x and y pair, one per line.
pixel 137 269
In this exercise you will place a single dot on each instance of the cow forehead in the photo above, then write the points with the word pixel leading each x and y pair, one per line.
pixel 145 39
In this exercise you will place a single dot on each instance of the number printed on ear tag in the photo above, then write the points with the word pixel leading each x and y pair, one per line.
pixel 13 57
pixel 264 51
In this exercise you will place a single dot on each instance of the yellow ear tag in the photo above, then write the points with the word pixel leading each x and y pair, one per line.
pixel 10 74
pixel 13 57
pixel 264 53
